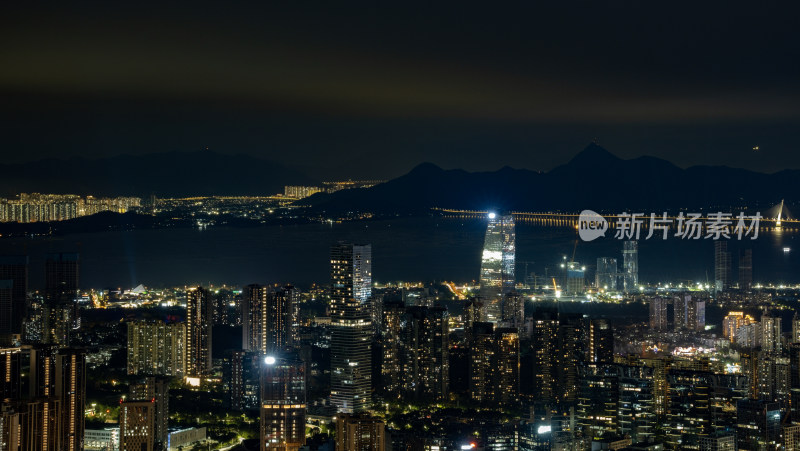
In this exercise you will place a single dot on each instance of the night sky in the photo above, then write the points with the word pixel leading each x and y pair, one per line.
pixel 370 90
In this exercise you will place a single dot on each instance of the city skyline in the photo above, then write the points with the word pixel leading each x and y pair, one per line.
pixel 327 226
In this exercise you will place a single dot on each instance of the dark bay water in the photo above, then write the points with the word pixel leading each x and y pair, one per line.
pixel 407 249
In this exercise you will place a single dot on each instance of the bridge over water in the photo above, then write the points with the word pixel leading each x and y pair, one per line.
pixel 775 219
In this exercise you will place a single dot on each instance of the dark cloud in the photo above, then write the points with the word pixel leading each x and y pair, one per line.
pixel 374 89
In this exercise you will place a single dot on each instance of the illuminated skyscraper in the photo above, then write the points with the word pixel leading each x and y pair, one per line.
pixel 283 402
pixel 241 371
pixel 269 318
pixel 771 334
pixel 601 342
pixel 497 264
pixel 630 263
pixel 513 310
pixel 605 277
pixel 254 300
pixel 137 425
pixel 155 389
pixel 157 348
pixel 70 388
pixel 13 292
pixel 494 365
pixel 360 432
pixel 351 329
pixel 392 347
pixel 658 313
pixel 576 278
pixel 758 424
pixel 690 313
pixel 425 345
pixel 198 332
pixel 732 322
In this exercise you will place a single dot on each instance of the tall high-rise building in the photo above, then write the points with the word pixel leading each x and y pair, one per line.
pixel 424 355
pixel 61 272
pixel 696 315
pixel 283 402
pixel 157 348
pixel 351 330
pixel 601 342
pixel 156 390
pixel 494 365
pixel 70 388
pixel 254 321
pixel 771 334
pixel 269 318
pixel 13 293
pixel 281 321
pixel 732 322
pixel 658 313
pixel 137 425
pixel 199 310
pixel 746 269
pixel 722 266
pixel 351 271
pixel 392 347
pixel 497 264
pixel 795 328
pixel 576 279
pixel 43 429
pixel 689 415
pixel 241 371
pixel 60 309
pixel 513 308
pixel 690 313
pixel 758 424
pixel 545 362
pixel 11 364
pixel 630 266
pixel 605 278
pixel 360 432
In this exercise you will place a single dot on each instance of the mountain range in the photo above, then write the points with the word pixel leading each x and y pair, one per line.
pixel 594 179
pixel 167 174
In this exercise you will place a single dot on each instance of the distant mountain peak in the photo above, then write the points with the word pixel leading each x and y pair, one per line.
pixel 425 168
pixel 594 154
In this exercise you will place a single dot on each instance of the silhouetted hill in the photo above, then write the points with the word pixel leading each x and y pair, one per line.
pixel 594 179
pixel 165 174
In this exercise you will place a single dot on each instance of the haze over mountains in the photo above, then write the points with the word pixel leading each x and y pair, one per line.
pixel 168 174
pixel 593 179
